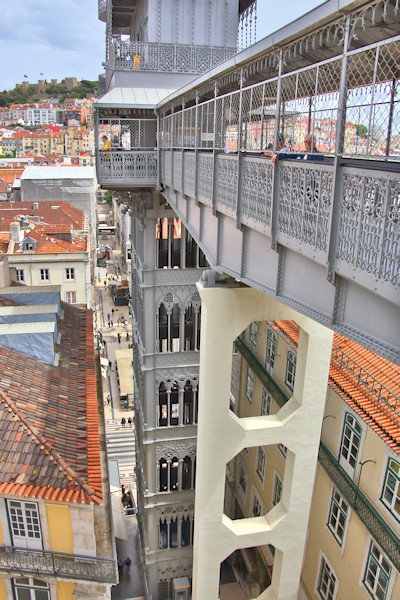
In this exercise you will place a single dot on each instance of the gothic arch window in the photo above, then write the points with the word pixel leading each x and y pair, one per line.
pixel 185 530
pixel 173 474
pixel 187 473
pixel 188 403
pixel 192 326
pixel 162 405
pixel 163 475
pixel 173 532
pixel 168 325
pixel 174 405
pixel 168 238
pixel 163 534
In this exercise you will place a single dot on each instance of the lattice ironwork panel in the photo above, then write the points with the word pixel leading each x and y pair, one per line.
pixel 130 134
pixel 206 124
pixel 305 204
pixel 177 130
pixel 166 132
pixel 373 105
pixel 205 178
pixel 178 171
pixel 189 134
pixel 118 166
pixel 253 117
pixel 219 131
pixel 167 161
pixel 256 197
pixel 189 182
pixel 226 184
pixel 369 232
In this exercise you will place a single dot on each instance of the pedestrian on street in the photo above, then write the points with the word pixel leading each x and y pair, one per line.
pixel 112 323
pixel 129 422
pixel 121 564
pixel 128 563
pixel 123 422
pixel 119 338
pixel 112 310
pixel 108 316
pixel 105 284
pixel 110 364
pixel 127 336
pixel 108 399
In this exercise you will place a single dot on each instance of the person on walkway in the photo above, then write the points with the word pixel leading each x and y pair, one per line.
pixel 128 563
pixel 121 564
pixel 112 323
pixel 112 310
pixel 123 422
pixel 108 399
pixel 127 336
pixel 105 284
pixel 108 316
pixel 129 422
pixel 119 338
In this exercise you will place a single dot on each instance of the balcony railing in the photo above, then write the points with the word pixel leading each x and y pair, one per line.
pixel 126 167
pixel 57 564
pixel 367 513
pixel 173 58
pixel 102 9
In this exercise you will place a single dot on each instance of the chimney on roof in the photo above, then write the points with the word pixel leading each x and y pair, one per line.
pixel 35 205
pixel 16 234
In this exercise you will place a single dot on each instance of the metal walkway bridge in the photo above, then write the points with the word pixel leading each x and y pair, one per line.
pixel 321 234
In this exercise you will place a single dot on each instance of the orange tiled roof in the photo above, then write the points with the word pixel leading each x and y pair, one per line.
pixel 49 419
pixel 368 383
pixel 65 214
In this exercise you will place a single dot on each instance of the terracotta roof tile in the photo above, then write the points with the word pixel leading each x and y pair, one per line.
pixel 49 419
pixel 367 382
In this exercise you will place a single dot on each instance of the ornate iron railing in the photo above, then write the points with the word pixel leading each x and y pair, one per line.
pixel 361 376
pixel 367 513
pixel 102 9
pixel 57 564
pixel 173 58
pixel 127 167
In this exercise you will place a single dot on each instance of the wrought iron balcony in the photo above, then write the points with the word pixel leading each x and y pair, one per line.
pixel 57 564
pixel 365 510
pixel 171 58
pixel 102 9
pixel 122 168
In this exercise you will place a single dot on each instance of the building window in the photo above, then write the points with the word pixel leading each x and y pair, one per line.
pixel 70 297
pixel 270 350
pixel 250 384
pixel 257 508
pixel 25 524
pixel 326 581
pixel 283 449
pixel 187 473
pixel 69 274
pixel 277 495
pixel 350 445
pixel 242 479
pixel 44 274
pixel 290 369
pixel 21 275
pixel 168 326
pixel 377 573
pixel 253 335
pixel 266 400
pixel 391 488
pixel 260 468
pixel 337 516
pixel 163 534
pixel 28 588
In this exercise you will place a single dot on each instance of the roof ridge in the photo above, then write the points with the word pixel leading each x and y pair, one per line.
pixel 40 439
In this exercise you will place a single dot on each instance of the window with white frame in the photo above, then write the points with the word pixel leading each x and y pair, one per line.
pixel 257 506
pixel 29 588
pixel 260 464
pixel 270 352
pixel 20 275
pixel 327 581
pixel 391 488
pixel 338 513
pixel 253 335
pixel 242 479
pixel 70 297
pixel 266 400
pixel 377 573
pixel 44 274
pixel 276 497
pixel 283 449
pixel 250 384
pixel 290 369
pixel 350 445
pixel 69 274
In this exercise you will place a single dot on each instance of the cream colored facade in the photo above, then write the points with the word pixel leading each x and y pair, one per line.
pixel 343 557
pixel 70 271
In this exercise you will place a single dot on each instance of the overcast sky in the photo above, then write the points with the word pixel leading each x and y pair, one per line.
pixel 64 38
